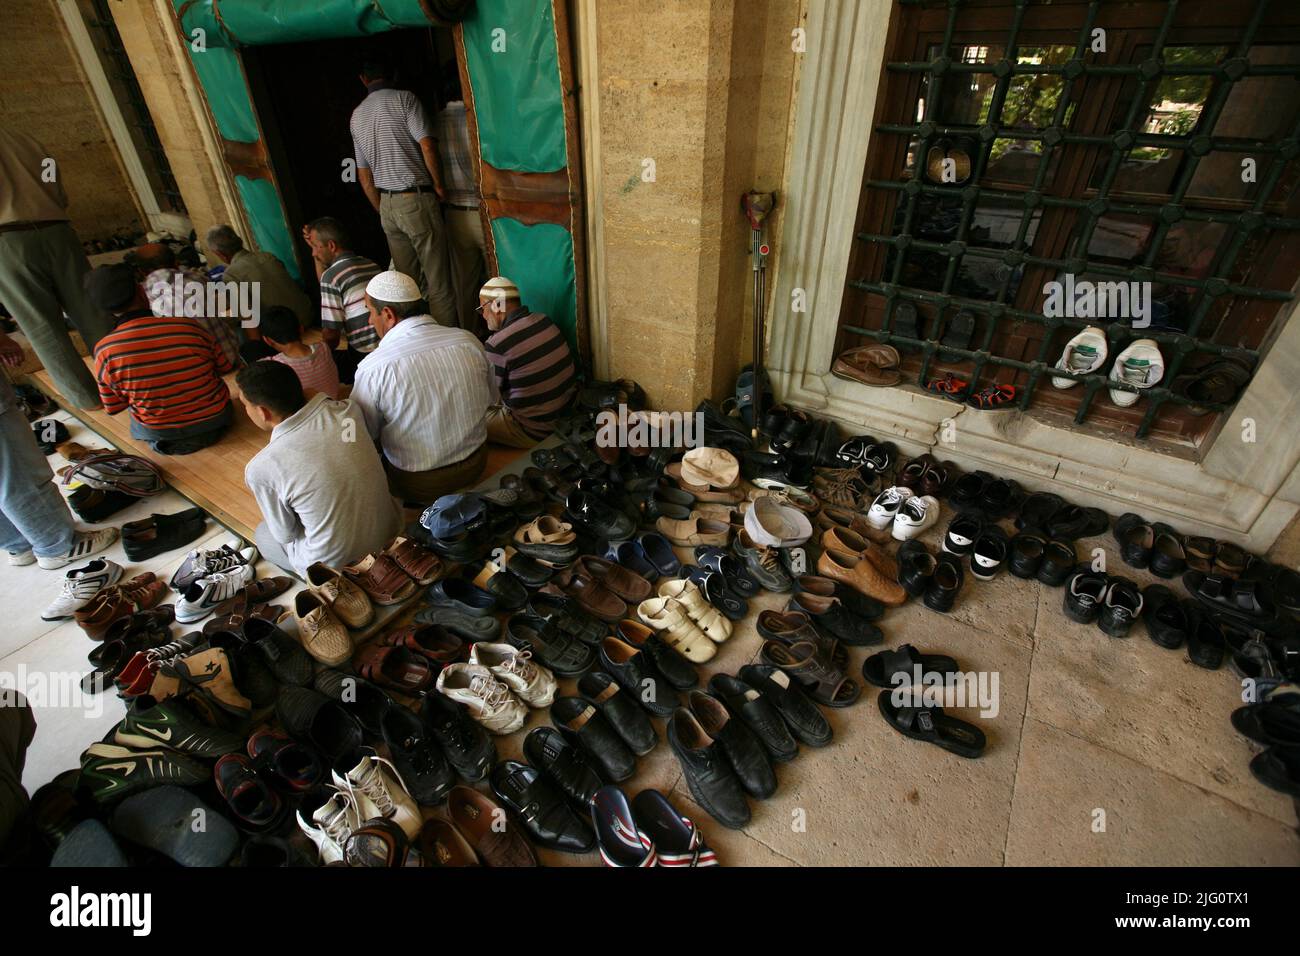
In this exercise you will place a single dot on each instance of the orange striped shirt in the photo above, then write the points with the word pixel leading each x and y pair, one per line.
pixel 167 371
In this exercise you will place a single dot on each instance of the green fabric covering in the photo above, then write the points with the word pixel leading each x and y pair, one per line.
pixel 517 95
pixel 266 216
pixel 254 22
pixel 539 260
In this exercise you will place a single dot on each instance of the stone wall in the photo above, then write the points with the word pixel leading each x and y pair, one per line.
pixel 44 93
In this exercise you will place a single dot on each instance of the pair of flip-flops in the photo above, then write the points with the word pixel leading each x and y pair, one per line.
pixel 900 705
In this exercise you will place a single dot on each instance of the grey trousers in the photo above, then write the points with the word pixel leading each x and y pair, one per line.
pixel 468 263
pixel 41 271
pixel 272 550
pixel 417 240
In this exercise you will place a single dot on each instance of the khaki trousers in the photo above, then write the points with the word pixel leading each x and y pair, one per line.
pixel 502 429
pixel 41 272
pixel 417 241
pixel 424 487
pixel 468 262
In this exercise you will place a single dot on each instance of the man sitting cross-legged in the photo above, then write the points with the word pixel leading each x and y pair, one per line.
pixel 319 482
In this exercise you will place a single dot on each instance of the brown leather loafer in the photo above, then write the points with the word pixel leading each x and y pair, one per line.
pixel 858 571
pixel 628 585
pixel 475 815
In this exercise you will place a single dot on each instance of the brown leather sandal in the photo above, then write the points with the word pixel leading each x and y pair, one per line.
pixel 431 640
pixel 419 563
pixel 825 682
pixel 382 578
pixel 395 668
pixel 251 595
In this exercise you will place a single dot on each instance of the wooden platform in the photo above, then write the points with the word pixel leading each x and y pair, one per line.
pixel 212 478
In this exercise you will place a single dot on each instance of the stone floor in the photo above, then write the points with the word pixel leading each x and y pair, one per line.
pixel 1102 752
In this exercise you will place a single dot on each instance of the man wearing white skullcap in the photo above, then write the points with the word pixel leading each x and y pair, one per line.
pixel 424 393
pixel 535 374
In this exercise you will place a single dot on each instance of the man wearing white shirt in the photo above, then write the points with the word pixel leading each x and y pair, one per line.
pixel 424 393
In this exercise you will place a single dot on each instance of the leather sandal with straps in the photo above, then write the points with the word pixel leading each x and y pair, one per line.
pixel 396 668
pixel 796 627
pixel 433 641
pixel 251 595
pixel 382 578
pixel 418 563
pixel 825 682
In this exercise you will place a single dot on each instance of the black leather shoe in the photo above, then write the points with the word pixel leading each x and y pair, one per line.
pixel 418 758
pixel 1085 596
pixel 1059 562
pixel 915 567
pixel 567 617
pixel 1136 538
pixel 945 584
pixel 1165 617
pixel 869 609
pixel 676 669
pixel 1122 606
pixel 540 807
pixel 1036 511
pixel 961 534
pixel 1168 559
pixel 465 743
pixel 637 674
pixel 532 574
pixel 461 595
pixel 758 714
pixel 742 748
pixel 582 724
pixel 800 714
pixel 598 518
pixel 628 720
pixel 509 591
pixel 1000 497
pixel 547 750
pixel 1072 523
pixel 968 490
pixel 1205 637
pixel 832 620
pixel 988 553
pixel 709 775
pixel 1025 555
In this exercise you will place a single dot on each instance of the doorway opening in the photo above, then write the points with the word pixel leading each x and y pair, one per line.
pixel 304 94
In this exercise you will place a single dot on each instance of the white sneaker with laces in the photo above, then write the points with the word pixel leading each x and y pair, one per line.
pixel 1084 353
pixel 201 598
pixel 79 586
pixel 1140 364
pixel 488 700
pixel 884 509
pixel 533 683
pixel 330 825
pixel 915 515
pixel 199 564
pixel 378 791
pixel 84 544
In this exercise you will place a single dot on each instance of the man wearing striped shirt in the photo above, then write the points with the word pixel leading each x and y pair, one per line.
pixel 534 369
pixel 166 372
pixel 397 166
pixel 424 393
pixel 343 275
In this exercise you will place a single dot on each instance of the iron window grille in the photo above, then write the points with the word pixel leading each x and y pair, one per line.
pixel 913 195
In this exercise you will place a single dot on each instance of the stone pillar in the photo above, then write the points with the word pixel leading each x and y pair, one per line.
pixel 692 103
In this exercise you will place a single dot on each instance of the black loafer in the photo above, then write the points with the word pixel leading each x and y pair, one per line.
pixel 1165 617
pixel 988 553
pixel 800 714
pixel 743 749
pixel 961 534
pixel 1085 595
pixel 539 805
pixel 758 714
pixel 1168 559
pixel 312 718
pixel 468 747
pixel 567 617
pixel 509 591
pixel 915 567
pixel 968 490
pixel 1059 562
pixel 708 772
pixel 547 750
pixel 582 724
pixel 832 620
pixel 1036 511
pixel 637 674
pixel 628 720
pixel 1122 606
pixel 1205 638
pixel 1025 557
pixel 945 583
pixel 418 758
pixel 1073 523
pixel 676 669
pixel 1001 497
pixel 461 595
pixel 532 574
pixel 1136 538
pixel 362 699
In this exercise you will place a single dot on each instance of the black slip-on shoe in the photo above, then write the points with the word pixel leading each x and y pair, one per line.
pixel 915 567
pixel 1059 562
pixel 708 772
pixel 1073 522
pixel 743 749
pixel 567 766
pixel 1036 510
pixel 801 715
pixel 1136 540
pixel 1206 642
pixel 676 669
pixel 1165 616
pixel 637 674
pixel 1025 555
pixel 623 713
pixel 758 713
pixel 318 721
pixel 945 584
pixel 540 807
pixel 362 699
pixel 584 725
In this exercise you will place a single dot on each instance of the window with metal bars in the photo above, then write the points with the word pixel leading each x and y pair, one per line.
pixel 1018 145
pixel 130 98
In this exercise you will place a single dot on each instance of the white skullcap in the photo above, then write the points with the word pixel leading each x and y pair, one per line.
pixel 499 287
pixel 393 287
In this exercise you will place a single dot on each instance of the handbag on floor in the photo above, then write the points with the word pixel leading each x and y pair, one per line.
pixel 115 471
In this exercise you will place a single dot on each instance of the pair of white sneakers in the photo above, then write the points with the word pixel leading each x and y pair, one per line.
pixel 1140 364
pixel 908 513
pixel 221 574
pixel 373 789
pixel 498 685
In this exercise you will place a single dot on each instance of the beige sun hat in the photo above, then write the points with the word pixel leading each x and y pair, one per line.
pixel 710 468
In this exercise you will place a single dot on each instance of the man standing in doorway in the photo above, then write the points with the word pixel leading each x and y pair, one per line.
pixel 343 275
pixel 42 266
pixel 397 166
pixel 460 206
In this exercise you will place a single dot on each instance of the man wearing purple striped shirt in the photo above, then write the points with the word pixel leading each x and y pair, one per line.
pixel 534 368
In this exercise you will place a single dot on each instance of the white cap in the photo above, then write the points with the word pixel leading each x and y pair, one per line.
pixel 393 287
pixel 499 287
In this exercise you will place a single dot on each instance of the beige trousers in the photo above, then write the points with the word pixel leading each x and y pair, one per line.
pixel 417 241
